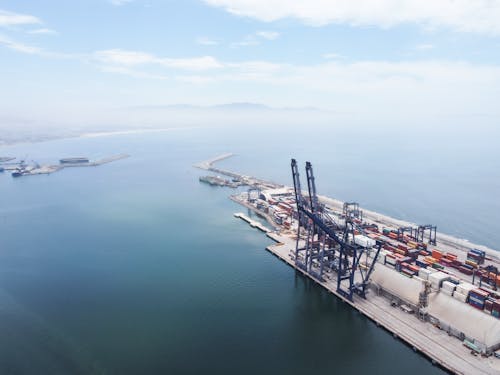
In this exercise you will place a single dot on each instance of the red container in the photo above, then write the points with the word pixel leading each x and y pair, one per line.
pixel 414 268
pixel 480 292
pixel 436 254
pixel 488 305
pixel 465 270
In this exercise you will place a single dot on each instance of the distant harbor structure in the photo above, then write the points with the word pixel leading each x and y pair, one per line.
pixel 77 160
pixel 24 169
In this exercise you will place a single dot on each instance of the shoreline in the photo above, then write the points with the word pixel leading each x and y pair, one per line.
pixel 96 134
pixel 462 244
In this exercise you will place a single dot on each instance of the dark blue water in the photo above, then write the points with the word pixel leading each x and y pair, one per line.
pixel 135 267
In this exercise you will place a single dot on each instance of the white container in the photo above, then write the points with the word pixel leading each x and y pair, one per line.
pixel 459 296
pixel 465 288
pixel 424 273
pixel 437 279
pixel 448 286
pixel 391 261
pixel 447 292
pixel 381 258
pixel 364 241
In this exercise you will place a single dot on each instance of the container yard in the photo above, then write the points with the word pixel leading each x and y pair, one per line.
pixel 437 293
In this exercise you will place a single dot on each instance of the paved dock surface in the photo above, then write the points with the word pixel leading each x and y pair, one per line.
pixel 436 344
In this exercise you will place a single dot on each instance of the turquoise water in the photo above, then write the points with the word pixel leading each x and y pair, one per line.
pixel 135 267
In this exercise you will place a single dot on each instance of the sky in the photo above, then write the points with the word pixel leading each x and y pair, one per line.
pixel 63 60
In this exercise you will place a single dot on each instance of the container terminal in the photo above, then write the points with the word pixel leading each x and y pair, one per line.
pixel 436 293
pixel 23 168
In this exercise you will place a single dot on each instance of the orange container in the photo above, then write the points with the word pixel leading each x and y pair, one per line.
pixel 436 254
pixel 450 256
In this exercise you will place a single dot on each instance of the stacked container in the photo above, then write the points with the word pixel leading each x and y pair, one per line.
pixel 364 241
pixel 437 278
pixel 495 310
pixel 488 304
pixel 448 288
pixel 390 259
pixel 462 291
pixel 436 254
pixel 475 257
pixel 477 298
pixel 424 273
pixel 381 256
pixel 466 269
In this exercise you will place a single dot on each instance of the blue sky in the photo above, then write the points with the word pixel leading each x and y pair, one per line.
pixel 369 58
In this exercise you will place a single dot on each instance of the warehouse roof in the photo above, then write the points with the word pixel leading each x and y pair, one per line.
pixel 472 322
pixel 397 284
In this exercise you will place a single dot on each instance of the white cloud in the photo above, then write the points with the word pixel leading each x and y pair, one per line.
pixel 20 47
pixel 204 41
pixel 478 16
pixel 253 39
pixel 14 19
pixel 42 31
pixel 118 57
pixel 120 2
pixel 269 35
pixel 130 72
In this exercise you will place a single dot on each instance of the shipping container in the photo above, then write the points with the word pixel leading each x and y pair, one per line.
pixel 471 263
pixel 437 266
pixel 424 273
pixel 459 296
pixel 436 254
pixel 465 270
pixel 420 263
pixel 437 278
pixel 394 236
pixel 480 253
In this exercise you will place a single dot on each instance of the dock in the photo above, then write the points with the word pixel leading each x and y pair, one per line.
pixel 435 344
pixel 253 223
pixel 30 170
pixel 428 337
pixel 207 164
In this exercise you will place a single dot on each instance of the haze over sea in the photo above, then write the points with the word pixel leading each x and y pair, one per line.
pixel 137 267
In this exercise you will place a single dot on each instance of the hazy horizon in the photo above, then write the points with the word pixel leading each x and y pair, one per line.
pixel 136 63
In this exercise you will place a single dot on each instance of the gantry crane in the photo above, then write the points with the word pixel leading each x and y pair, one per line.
pixel 322 244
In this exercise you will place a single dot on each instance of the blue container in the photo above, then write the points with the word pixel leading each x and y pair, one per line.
pixel 421 264
pixel 478 252
pixel 476 299
pixel 476 304
pixel 468 266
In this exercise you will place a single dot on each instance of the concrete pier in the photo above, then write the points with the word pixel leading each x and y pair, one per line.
pixel 437 345
pixel 431 341
pixel 253 223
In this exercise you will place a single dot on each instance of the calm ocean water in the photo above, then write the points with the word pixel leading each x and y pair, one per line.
pixel 135 267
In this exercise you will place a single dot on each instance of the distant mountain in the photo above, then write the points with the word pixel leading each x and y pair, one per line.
pixel 243 106
pixel 237 106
